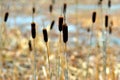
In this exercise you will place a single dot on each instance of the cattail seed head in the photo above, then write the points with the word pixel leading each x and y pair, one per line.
pixel 30 45
pixel 94 17
pixel 50 8
pixel 60 23
pixel 33 30
pixel 6 17
pixel 33 10
pixel 45 35
pixel 64 8
pixel 88 29
pixel 110 30
pixel 53 1
pixel 106 21
pixel 65 33
pixel 52 24
pixel 109 3
pixel 100 2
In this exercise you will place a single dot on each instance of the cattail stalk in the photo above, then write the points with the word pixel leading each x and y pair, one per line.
pixel 90 39
pixel 33 31
pixel 45 35
pixel 58 56
pixel 65 39
pixel 105 47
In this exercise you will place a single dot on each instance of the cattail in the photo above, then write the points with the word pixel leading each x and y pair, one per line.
pixel 110 30
pixel 60 23
pixel 94 17
pixel 45 35
pixel 33 30
pixel 52 24
pixel 53 1
pixel 109 3
pixel 100 2
pixel 106 21
pixel 50 8
pixel 30 45
pixel 88 29
pixel 6 17
pixel 65 33
pixel 64 8
pixel 33 9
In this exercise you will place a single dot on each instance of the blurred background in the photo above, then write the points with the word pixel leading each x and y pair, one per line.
pixel 16 61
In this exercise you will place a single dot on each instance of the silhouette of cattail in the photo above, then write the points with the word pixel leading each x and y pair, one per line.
pixel 64 8
pixel 88 29
pixel 110 30
pixel 6 17
pixel 94 17
pixel 30 45
pixel 106 21
pixel 60 23
pixel 33 10
pixel 100 2
pixel 33 30
pixel 53 1
pixel 45 35
pixel 52 24
pixel 50 8
pixel 65 33
pixel 109 3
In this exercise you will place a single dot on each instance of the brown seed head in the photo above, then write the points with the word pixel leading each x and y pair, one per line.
pixel 30 45
pixel 94 17
pixel 109 3
pixel 33 9
pixel 64 8
pixel 65 33
pixel 60 23
pixel 45 35
pixel 52 24
pixel 33 30
pixel 50 8
pixel 6 17
pixel 106 21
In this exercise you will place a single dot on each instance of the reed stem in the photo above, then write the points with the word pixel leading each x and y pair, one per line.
pixel 48 59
